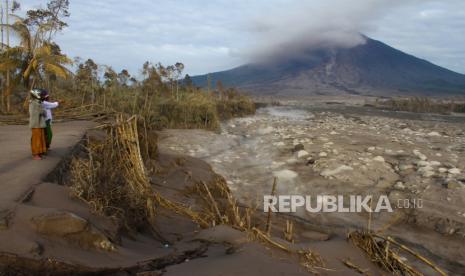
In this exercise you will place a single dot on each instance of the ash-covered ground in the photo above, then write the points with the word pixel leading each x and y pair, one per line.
pixel 349 150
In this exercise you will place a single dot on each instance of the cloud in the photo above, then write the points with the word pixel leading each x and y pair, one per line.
pixel 220 34
pixel 291 28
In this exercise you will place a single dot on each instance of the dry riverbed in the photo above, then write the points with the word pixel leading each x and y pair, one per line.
pixel 329 150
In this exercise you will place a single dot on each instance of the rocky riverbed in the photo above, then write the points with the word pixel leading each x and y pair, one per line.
pixel 324 151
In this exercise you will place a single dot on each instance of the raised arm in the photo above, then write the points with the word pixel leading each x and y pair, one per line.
pixel 49 105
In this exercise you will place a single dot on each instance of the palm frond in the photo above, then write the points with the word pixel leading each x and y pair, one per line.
pixel 57 70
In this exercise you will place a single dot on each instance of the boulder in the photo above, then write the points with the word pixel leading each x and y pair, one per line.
pixel 328 172
pixel 310 161
pixel 453 184
pixel 285 175
pixel 379 159
pixel 72 228
pixel 420 155
pixel 399 185
pixel 454 171
pixel 434 134
pixel 302 153
pixel 59 224
pixel 298 147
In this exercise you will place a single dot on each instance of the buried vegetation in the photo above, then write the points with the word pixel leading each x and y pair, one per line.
pixel 114 178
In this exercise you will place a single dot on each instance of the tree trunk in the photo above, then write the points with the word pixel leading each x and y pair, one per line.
pixel 8 90
pixel 3 84
pixel 177 91
pixel 8 71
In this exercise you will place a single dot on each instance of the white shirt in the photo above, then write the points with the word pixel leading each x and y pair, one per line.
pixel 48 106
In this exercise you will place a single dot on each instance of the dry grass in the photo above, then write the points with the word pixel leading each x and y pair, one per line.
pixel 421 105
pixel 385 252
pixel 113 179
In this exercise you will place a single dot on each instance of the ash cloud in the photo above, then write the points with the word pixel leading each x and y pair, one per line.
pixel 291 29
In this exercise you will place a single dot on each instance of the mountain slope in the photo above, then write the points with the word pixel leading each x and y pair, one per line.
pixel 372 68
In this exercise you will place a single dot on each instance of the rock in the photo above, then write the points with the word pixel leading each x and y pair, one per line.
pixel 422 163
pixel 275 164
pixel 453 184
pixel 310 161
pixel 420 155
pixel 266 130
pixel 333 132
pixel 298 147
pixel 404 167
pixel 279 144
pixel 302 153
pixel 442 170
pixel 59 224
pixel 328 172
pixel 379 158
pixel 426 171
pixel 399 185
pixel 433 134
pixel 323 154
pixel 285 175
pixel 315 236
pixel 72 228
pixel 291 161
pixel 454 171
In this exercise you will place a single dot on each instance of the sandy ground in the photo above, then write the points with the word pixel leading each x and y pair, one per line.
pixel 316 149
pixel 45 229
pixel 18 172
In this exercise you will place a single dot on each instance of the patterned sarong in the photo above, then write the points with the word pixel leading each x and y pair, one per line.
pixel 38 141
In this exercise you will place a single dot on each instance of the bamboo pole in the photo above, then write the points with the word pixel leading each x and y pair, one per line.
pixel 268 220
pixel 369 217
pixel 215 206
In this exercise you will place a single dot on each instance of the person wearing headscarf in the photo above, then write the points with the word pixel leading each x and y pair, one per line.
pixel 48 106
pixel 37 124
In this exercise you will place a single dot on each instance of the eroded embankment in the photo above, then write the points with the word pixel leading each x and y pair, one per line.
pixel 81 222
pixel 120 205
pixel 326 152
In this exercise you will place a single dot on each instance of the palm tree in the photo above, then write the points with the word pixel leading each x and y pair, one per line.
pixel 34 58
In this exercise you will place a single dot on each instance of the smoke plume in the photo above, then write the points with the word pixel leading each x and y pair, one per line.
pixel 292 28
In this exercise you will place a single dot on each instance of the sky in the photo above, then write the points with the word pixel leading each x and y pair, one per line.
pixel 215 35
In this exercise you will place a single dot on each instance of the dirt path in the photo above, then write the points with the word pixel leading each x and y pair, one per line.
pixel 18 172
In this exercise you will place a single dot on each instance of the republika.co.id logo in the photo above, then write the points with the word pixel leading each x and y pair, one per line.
pixel 332 203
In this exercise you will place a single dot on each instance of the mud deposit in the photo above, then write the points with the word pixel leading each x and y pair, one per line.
pixel 329 150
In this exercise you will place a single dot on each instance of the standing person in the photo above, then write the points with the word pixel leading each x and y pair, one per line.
pixel 48 106
pixel 37 124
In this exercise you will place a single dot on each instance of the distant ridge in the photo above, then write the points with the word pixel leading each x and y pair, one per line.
pixel 372 68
